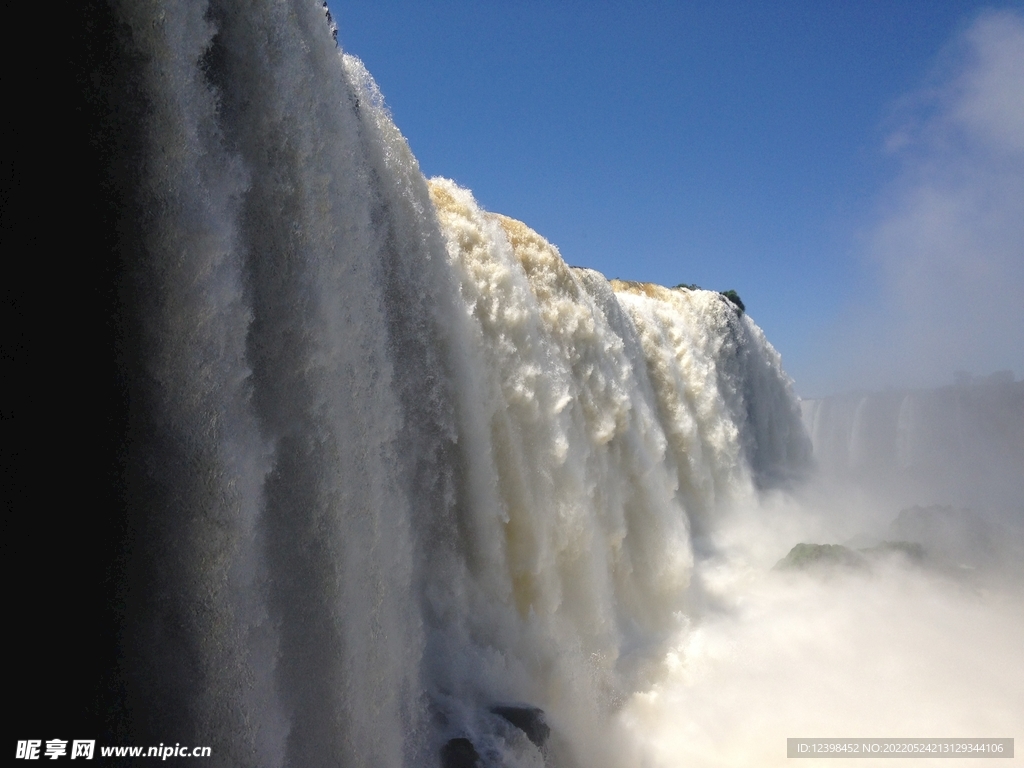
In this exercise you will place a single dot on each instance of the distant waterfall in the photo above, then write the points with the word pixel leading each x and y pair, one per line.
pixel 962 444
pixel 394 465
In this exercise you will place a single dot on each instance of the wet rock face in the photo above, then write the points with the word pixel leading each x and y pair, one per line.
pixel 530 720
pixel 805 556
pixel 459 753
pixel 820 557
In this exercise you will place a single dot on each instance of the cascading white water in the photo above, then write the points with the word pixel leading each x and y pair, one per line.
pixel 403 465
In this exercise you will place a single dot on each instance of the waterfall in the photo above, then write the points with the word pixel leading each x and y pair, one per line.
pixel 961 444
pixel 393 474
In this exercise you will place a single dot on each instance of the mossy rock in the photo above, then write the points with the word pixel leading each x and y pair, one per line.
pixel 735 299
pixel 909 549
pixel 804 556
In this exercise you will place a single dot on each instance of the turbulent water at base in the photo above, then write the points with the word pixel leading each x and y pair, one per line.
pixel 400 465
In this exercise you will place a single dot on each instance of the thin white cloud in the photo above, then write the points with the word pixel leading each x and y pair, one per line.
pixel 948 245
pixel 991 92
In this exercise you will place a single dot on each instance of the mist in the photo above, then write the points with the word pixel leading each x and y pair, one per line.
pixel 944 250
pixel 891 653
pixel 903 617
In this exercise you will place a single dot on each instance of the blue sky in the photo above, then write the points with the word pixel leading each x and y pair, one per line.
pixel 822 159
